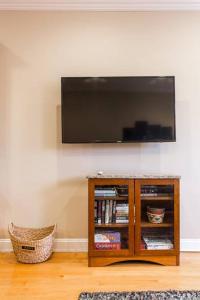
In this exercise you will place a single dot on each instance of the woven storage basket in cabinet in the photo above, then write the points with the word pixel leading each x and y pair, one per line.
pixel 32 245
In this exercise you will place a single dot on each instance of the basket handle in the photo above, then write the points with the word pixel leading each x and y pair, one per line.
pixel 54 229
pixel 10 227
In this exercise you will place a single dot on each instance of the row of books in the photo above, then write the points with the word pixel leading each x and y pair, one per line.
pixel 156 243
pixel 107 240
pixel 145 191
pixel 110 211
pixel 111 240
pixel 156 190
pixel 105 192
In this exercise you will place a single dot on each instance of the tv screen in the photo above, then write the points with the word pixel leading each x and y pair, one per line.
pixel 118 109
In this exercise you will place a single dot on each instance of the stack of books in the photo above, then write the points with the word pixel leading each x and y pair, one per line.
pixel 110 211
pixel 108 240
pixel 149 191
pixel 121 213
pixel 157 243
pixel 105 192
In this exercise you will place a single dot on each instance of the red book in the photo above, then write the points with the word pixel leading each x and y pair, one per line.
pixel 142 245
pixel 108 246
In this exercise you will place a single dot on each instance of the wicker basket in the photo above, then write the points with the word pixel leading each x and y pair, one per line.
pixel 32 245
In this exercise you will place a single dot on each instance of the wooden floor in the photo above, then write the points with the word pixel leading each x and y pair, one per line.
pixel 67 274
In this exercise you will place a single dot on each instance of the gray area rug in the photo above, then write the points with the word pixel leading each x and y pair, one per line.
pixel 146 295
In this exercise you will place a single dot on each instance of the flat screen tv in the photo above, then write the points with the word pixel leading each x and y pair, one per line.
pixel 118 109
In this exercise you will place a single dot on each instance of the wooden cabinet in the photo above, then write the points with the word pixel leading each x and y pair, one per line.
pixel 133 218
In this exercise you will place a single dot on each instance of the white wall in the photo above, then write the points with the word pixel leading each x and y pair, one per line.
pixel 43 181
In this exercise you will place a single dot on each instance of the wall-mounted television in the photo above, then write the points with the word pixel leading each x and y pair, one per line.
pixel 118 109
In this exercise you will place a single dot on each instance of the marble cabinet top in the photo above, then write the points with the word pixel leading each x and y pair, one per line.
pixel 134 176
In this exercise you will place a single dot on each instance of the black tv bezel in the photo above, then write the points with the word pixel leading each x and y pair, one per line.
pixel 119 141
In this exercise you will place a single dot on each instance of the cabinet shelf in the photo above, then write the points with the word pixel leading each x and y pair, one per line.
pixel 153 225
pixel 157 198
pixel 111 225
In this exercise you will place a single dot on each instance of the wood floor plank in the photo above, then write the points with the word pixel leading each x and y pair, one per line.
pixel 65 275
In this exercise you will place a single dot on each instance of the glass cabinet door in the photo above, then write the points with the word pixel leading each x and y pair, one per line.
pixel 156 216
pixel 111 211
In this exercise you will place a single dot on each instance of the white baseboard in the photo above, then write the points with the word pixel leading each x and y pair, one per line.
pixel 71 245
pixel 190 245
pixel 60 245
pixel 5 245
pixel 80 245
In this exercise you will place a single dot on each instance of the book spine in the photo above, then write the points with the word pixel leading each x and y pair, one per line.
pixel 107 212
pixel 122 213
pixel 95 212
pixel 110 211
pixel 99 211
pixel 122 221
pixel 114 212
pixel 158 247
pixel 105 192
pixel 157 241
pixel 143 245
pixel 105 195
pixel 103 212
pixel 149 194
pixel 108 246
pixel 122 217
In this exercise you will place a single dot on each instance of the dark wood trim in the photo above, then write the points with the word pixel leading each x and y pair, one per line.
pixel 177 216
pixel 90 215
pixel 151 225
pixel 131 191
pixel 137 216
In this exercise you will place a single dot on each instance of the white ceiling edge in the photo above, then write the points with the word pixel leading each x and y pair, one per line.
pixel 101 5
